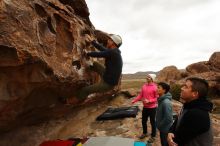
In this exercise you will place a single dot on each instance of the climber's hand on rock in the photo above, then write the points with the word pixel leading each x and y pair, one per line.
pixel 89 38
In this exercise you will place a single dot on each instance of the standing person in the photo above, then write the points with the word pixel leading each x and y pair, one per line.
pixel 110 74
pixel 148 96
pixel 193 126
pixel 164 117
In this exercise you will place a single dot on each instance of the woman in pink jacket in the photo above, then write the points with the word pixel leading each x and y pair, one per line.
pixel 148 96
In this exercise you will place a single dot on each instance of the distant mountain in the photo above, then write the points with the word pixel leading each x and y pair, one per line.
pixel 138 75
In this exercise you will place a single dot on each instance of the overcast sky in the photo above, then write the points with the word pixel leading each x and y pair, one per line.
pixel 160 33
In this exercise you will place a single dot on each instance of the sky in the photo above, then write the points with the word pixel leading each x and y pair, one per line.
pixel 160 33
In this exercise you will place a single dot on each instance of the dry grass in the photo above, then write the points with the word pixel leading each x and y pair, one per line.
pixel 132 83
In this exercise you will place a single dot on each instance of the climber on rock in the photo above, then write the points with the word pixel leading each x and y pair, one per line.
pixel 111 71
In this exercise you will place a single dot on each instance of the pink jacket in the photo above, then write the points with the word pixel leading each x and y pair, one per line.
pixel 149 92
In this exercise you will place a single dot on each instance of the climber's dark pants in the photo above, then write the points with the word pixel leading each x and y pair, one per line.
pixel 102 86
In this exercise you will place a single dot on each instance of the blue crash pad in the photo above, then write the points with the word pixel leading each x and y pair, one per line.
pixel 138 143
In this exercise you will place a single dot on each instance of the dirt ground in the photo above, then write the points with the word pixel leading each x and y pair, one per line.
pixel 81 123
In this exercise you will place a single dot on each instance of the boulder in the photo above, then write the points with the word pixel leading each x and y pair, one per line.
pixel 42 47
pixel 208 70
pixel 168 74
pixel 199 67
pixel 214 61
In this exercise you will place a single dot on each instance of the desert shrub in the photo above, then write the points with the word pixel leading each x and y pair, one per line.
pixel 175 90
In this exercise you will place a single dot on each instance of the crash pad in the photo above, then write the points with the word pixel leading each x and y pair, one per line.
pixel 109 141
pixel 139 143
pixel 117 113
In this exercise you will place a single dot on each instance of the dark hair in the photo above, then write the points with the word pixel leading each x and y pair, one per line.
pixel 165 86
pixel 199 85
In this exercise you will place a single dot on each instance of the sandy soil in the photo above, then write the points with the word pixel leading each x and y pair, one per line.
pixel 81 123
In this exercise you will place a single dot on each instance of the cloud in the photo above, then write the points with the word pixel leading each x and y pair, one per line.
pixel 161 32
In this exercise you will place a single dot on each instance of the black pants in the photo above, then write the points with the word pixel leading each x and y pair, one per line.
pixel 163 139
pixel 149 112
pixel 102 86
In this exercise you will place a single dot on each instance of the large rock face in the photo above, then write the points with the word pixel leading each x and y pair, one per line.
pixel 209 70
pixel 214 61
pixel 169 74
pixel 199 67
pixel 42 45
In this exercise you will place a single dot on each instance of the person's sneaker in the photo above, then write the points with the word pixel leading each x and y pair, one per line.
pixel 143 136
pixel 92 95
pixel 151 140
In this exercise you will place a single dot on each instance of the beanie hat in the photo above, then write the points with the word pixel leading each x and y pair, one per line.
pixel 152 76
pixel 116 39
